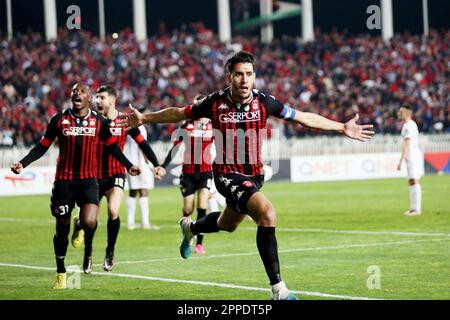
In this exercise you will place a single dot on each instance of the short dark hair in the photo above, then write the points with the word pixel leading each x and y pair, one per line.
pixel 82 84
pixel 240 57
pixel 407 106
pixel 108 89
pixel 198 98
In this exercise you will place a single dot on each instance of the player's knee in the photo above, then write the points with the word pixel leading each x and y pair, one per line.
pixel 267 217
pixel 89 223
pixel 113 213
pixel 143 193
pixel 133 193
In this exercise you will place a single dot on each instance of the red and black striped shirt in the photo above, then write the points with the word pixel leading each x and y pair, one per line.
pixel 197 138
pixel 78 140
pixel 237 129
pixel 108 164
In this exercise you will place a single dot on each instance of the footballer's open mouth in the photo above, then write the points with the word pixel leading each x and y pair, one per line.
pixel 76 100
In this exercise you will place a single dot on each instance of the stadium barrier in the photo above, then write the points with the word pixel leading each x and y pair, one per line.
pixel 298 160
pixel 346 167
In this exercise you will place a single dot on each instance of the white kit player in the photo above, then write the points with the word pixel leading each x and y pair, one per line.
pixel 139 187
pixel 215 198
pixel 413 156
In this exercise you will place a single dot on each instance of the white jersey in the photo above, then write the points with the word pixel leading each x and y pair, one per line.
pixel 410 131
pixel 414 157
pixel 136 156
pixel 132 150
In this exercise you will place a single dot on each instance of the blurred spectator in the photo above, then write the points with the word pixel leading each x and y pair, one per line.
pixel 335 76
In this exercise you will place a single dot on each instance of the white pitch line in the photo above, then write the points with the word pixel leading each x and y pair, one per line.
pixel 349 246
pixel 195 282
pixel 385 233
pixel 280 229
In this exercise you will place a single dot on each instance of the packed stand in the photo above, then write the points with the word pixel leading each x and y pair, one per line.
pixel 335 76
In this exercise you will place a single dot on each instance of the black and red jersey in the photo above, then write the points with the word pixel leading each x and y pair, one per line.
pixel 78 141
pixel 197 137
pixel 237 128
pixel 108 165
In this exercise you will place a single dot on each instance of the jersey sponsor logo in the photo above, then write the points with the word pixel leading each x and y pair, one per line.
pixel 79 131
pixel 223 106
pixel 116 131
pixel 65 121
pixel 236 116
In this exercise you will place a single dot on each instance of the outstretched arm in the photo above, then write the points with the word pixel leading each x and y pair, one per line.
pixel 351 129
pixel 134 118
pixel 38 151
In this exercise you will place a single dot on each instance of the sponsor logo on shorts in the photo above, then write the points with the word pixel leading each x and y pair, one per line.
pixel 248 184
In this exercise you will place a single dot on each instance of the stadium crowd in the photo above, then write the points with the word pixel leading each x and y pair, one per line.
pixel 336 76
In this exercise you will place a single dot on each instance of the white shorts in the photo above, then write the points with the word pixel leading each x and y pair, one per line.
pixel 143 181
pixel 415 167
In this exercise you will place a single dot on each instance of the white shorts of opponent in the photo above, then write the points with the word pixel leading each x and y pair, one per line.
pixel 415 167
pixel 143 181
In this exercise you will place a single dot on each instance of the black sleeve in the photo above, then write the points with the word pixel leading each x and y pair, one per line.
pixel 201 110
pixel 148 151
pixel 105 133
pixel 135 133
pixel 46 141
pixel 273 106
pixel 178 134
pixel 38 151
pixel 114 149
pixel 172 152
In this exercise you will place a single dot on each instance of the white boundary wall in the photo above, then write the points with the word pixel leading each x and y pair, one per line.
pixel 346 167
pixel 274 149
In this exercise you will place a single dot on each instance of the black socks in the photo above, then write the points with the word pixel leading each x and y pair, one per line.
pixel 268 250
pixel 60 243
pixel 88 237
pixel 208 224
pixel 113 227
pixel 201 213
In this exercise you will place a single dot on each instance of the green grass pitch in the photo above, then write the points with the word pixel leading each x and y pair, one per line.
pixel 337 240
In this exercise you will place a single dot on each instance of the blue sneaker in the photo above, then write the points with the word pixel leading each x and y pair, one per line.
pixel 292 296
pixel 188 237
